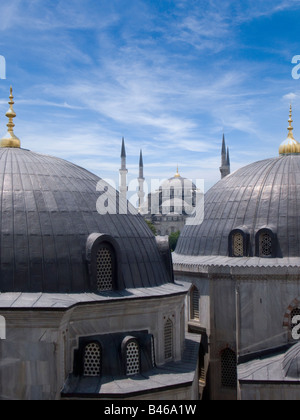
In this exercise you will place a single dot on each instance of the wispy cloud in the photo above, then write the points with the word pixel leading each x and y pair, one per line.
pixel 169 76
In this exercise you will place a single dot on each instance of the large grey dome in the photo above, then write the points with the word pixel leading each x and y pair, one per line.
pixel 48 211
pixel 265 194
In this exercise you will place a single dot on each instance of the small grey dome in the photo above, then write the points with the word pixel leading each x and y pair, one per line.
pixel 48 212
pixel 265 194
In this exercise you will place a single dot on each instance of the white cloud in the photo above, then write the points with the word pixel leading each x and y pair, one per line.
pixel 290 97
pixel 170 82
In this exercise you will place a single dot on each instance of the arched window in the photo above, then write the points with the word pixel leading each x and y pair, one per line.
pixel 239 242
pixel 103 256
pixel 194 303
pixel 92 360
pixel 168 339
pixel 132 358
pixel 265 244
pixel 228 368
pixel 237 245
pixel 105 268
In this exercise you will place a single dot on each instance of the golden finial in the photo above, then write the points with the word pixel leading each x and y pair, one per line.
pixel 10 140
pixel 290 128
pixel 177 175
pixel 290 146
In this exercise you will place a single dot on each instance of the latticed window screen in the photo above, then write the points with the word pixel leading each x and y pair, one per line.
pixel 168 339
pixel 104 269
pixel 195 313
pixel 265 245
pixel 132 359
pixel 238 245
pixel 92 360
pixel 228 369
pixel 295 312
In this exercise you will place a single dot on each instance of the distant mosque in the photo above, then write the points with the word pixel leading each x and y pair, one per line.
pixel 96 307
pixel 169 207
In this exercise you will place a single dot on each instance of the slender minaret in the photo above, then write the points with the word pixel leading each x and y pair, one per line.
pixel 123 173
pixel 141 180
pixel 228 159
pixel 225 160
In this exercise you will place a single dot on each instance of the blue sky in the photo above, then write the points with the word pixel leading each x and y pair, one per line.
pixel 169 76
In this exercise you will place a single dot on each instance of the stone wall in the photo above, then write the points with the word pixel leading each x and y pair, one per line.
pixel 38 352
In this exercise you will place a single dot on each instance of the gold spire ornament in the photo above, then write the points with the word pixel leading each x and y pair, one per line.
pixel 290 128
pixel 177 175
pixel 290 146
pixel 10 140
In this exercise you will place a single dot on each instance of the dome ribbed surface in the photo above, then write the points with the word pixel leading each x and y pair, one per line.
pixel 263 194
pixel 48 210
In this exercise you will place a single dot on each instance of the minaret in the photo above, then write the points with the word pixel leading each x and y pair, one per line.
pixel 225 160
pixel 228 160
pixel 141 180
pixel 123 173
pixel 10 139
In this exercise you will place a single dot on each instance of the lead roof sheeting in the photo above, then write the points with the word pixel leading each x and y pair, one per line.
pixel 265 193
pixel 174 374
pixel 48 210
pixel 65 300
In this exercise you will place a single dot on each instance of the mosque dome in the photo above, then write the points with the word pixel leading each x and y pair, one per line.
pixel 50 227
pixel 252 212
pixel 176 195
pixel 179 184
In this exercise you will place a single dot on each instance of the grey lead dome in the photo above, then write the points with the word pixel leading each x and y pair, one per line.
pixel 265 194
pixel 48 210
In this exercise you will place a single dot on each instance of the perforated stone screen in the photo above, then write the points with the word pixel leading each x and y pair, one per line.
pixel 265 245
pixel 229 369
pixel 238 245
pixel 168 332
pixel 104 269
pixel 132 359
pixel 92 360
